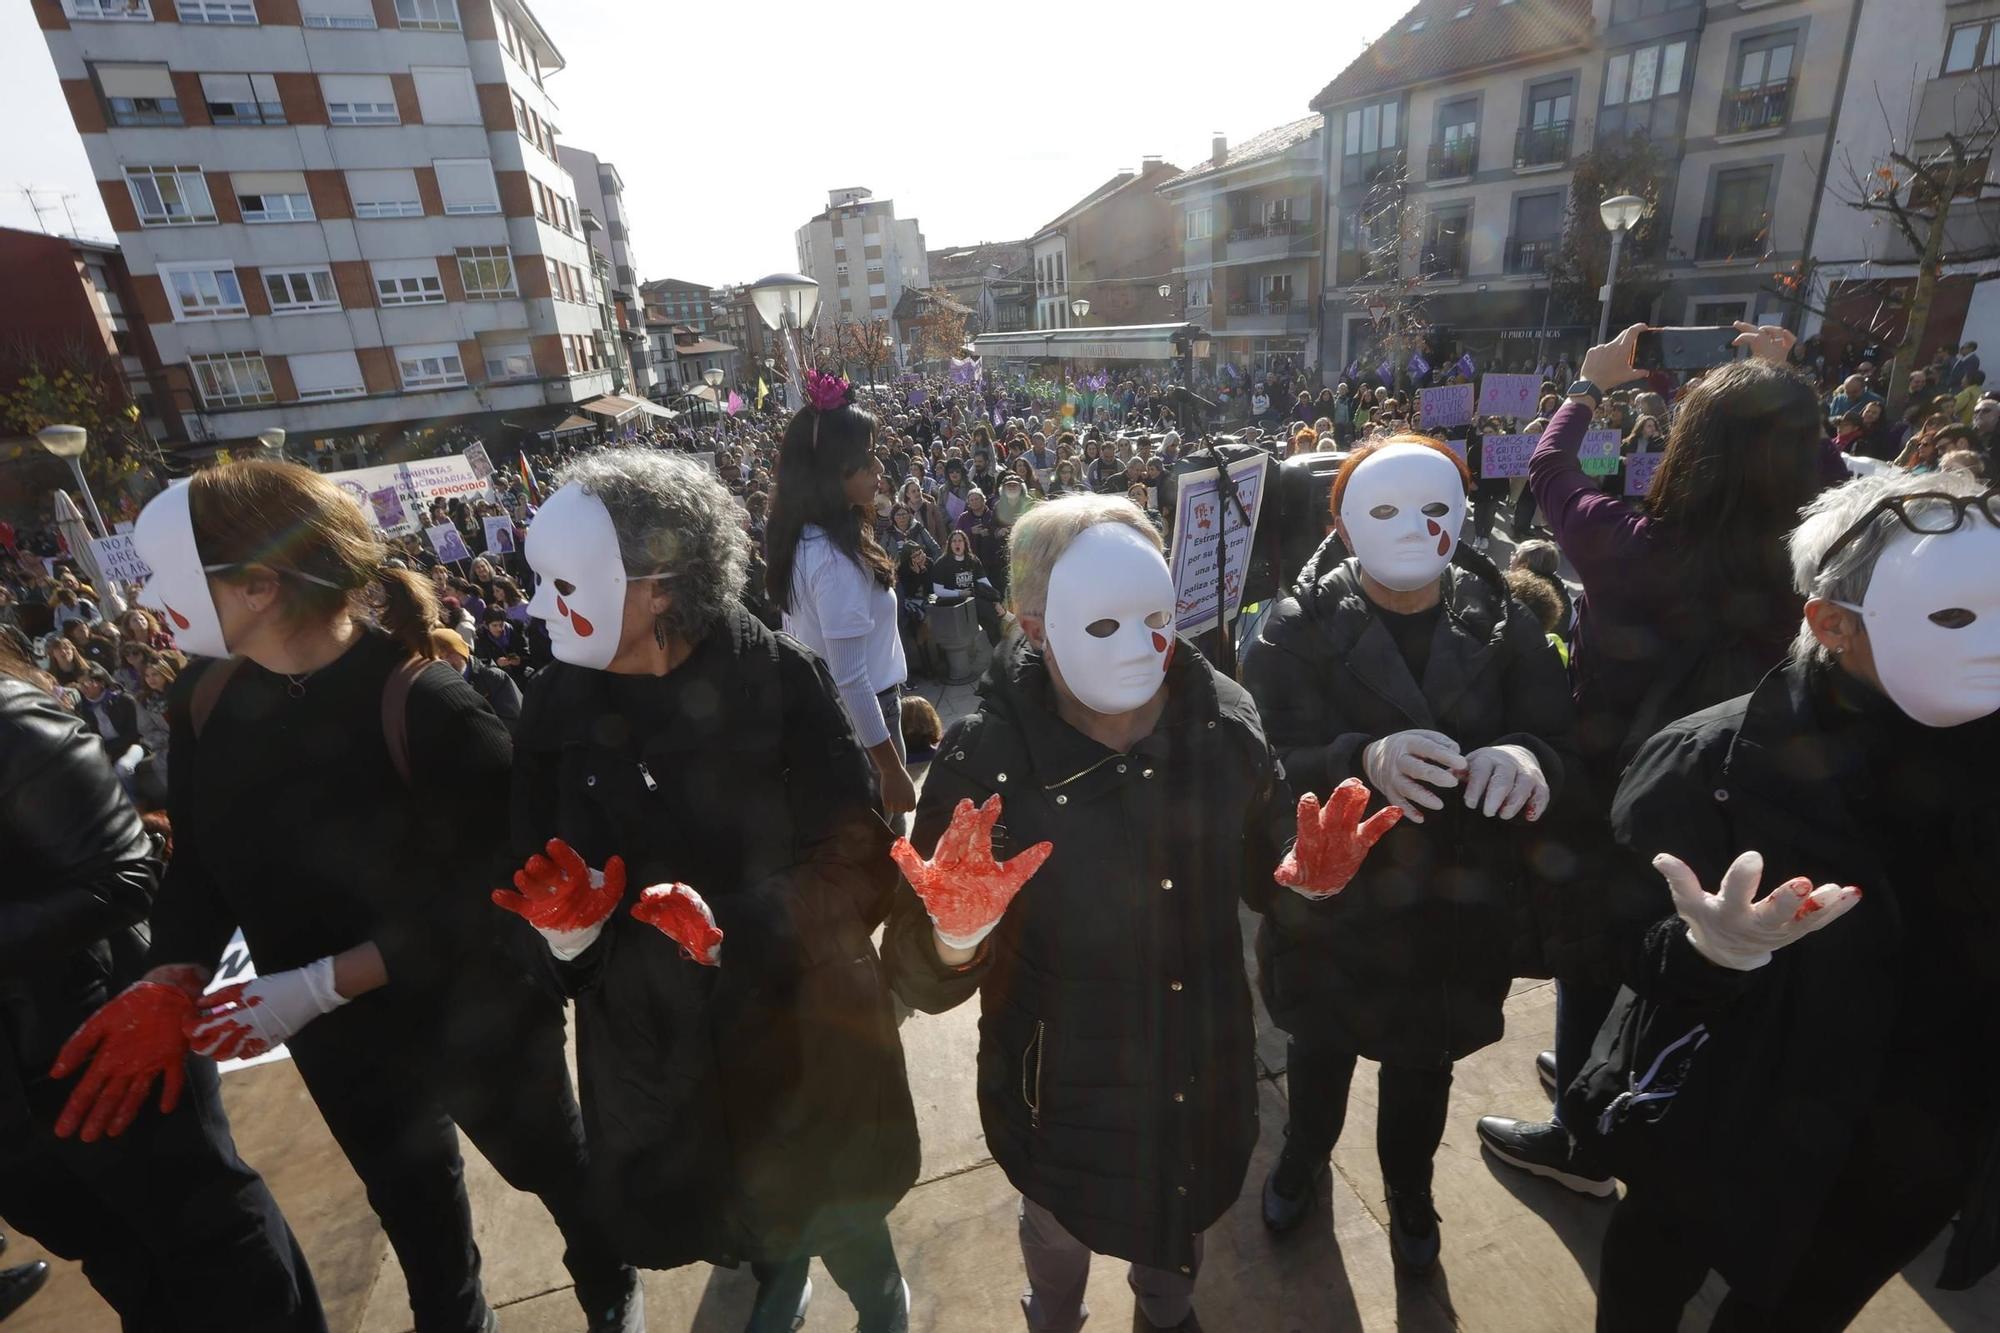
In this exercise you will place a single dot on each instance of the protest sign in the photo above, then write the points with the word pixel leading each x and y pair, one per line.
pixel 1509 395
pixel 416 483
pixel 1505 456
pixel 1639 469
pixel 448 542
pixel 1443 408
pixel 499 535
pixel 475 457
pixel 118 560
pixel 1598 454
pixel 1200 566
pixel 387 507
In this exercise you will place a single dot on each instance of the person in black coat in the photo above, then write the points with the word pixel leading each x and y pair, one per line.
pixel 1804 1115
pixel 171 1227
pixel 1409 665
pixel 743 1085
pixel 109 712
pixel 495 686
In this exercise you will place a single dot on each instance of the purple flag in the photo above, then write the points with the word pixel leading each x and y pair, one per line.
pixel 1385 372
pixel 1418 367
pixel 1353 370
pixel 999 417
pixel 1465 366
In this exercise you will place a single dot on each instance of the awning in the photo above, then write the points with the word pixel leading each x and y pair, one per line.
pixel 610 406
pixel 568 424
pixel 702 347
pixel 649 408
pixel 1128 342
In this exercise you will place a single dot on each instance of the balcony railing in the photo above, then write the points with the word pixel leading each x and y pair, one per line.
pixel 1273 307
pixel 1542 145
pixel 1766 107
pixel 1253 231
pixel 1729 238
pixel 1444 262
pixel 1451 161
pixel 1530 254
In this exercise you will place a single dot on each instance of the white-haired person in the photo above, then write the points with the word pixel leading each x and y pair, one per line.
pixel 1116 1079
pixel 1803 1109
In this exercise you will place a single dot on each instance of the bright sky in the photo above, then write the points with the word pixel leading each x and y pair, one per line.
pixel 982 122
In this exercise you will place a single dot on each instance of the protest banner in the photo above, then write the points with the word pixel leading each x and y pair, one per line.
pixel 475 457
pixel 1502 456
pixel 387 507
pixel 499 535
pixel 1200 567
pixel 416 483
pixel 118 559
pixel 1639 469
pixel 448 542
pixel 1598 454
pixel 1509 396
pixel 1443 408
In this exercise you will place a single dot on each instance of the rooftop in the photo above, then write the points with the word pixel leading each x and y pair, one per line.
pixel 969 263
pixel 1432 40
pixel 1256 148
pixel 1153 168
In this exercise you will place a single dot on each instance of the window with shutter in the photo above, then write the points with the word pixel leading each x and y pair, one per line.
pixel 326 375
pixel 359 99
pixel 467 185
pixel 389 193
pixel 446 95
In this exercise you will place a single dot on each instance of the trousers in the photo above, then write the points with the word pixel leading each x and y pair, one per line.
pixel 172 1228
pixel 1581 1008
pixel 864 1266
pixel 1409 1123
pixel 1059 1270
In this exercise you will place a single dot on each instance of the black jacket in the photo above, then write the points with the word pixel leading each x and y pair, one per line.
pixel 114 718
pixel 498 689
pixel 1411 962
pixel 81 875
pixel 1901 996
pixel 1117 1073
pixel 759 1109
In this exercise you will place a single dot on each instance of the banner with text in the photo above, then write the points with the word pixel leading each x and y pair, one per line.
pixel 416 484
pixel 1639 469
pixel 1509 395
pixel 118 560
pixel 1200 566
pixel 1598 455
pixel 1443 408
pixel 1504 456
pixel 448 542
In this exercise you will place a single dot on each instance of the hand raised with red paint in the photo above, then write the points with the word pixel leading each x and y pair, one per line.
pixel 678 912
pixel 1334 840
pixel 1731 930
pixel 139 1035
pixel 963 888
pixel 563 898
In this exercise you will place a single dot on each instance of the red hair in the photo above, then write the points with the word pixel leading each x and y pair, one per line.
pixel 1356 458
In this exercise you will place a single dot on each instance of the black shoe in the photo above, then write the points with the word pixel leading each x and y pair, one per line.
pixel 624 1313
pixel 1414 1240
pixel 1545 1069
pixel 1289 1189
pixel 1543 1149
pixel 19 1285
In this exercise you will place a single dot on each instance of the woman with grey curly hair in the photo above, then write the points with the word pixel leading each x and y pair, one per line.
pixel 742 1082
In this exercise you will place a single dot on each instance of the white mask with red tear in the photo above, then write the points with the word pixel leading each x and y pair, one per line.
pixel 1403 508
pixel 178 587
pixel 579 577
pixel 1109 618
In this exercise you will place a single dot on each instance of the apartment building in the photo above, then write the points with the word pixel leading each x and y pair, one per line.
pixel 600 194
pixel 1115 248
pixel 342 217
pixel 993 279
pixel 1485 106
pixel 1249 221
pixel 863 256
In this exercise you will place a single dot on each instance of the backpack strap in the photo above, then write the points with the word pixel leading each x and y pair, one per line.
pixel 208 690
pixel 396 712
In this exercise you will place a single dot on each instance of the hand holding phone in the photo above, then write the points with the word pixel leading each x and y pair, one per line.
pixel 1687 348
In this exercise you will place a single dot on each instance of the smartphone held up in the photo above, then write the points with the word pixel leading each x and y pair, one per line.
pixel 1698 348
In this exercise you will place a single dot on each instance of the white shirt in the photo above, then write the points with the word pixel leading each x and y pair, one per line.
pixel 840 612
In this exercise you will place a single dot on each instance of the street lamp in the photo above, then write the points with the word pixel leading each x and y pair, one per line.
pixel 1080 307
pixel 1620 213
pixel 67 443
pixel 889 349
pixel 712 377
pixel 273 439
pixel 786 302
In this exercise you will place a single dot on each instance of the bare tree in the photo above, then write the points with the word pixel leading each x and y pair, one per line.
pixel 939 329
pixel 1397 256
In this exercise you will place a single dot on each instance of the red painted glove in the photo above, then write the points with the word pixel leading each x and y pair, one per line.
pixel 1332 845
pixel 563 898
pixel 677 911
pixel 964 889
pixel 139 1035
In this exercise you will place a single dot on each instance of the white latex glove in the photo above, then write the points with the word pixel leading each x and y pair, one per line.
pixel 1510 779
pixel 251 1017
pixel 1730 930
pixel 1404 767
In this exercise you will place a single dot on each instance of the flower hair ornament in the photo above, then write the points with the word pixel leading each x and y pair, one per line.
pixel 825 393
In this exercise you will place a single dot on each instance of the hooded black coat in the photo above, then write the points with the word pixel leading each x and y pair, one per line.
pixel 1410 963
pixel 1117 1065
pixel 756 1110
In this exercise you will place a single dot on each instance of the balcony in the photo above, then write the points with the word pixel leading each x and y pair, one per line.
pixel 1275 239
pixel 1530 254
pixel 1370 169
pixel 1721 240
pixel 1748 110
pixel 1269 316
pixel 1452 161
pixel 1542 145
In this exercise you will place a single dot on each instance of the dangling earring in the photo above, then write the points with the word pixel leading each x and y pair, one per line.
pixel 660 630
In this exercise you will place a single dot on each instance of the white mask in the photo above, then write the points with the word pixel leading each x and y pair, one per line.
pixel 572 540
pixel 178 588
pixel 1109 618
pixel 1403 507
pixel 1939 675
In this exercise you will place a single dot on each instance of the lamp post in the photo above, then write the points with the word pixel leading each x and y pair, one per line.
pixel 1620 213
pixel 1079 307
pixel 889 350
pixel 712 377
pixel 67 443
pixel 786 302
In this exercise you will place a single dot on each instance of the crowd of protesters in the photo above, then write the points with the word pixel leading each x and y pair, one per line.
pixel 684 670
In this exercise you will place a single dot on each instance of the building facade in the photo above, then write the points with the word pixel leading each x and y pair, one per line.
pixel 992 279
pixel 1249 222
pixel 1482 109
pixel 1115 248
pixel 863 256
pixel 342 217
pixel 600 193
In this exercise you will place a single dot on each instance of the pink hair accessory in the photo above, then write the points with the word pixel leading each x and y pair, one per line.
pixel 824 393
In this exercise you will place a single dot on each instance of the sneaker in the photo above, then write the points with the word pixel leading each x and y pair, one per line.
pixel 1289 1190
pixel 1543 1149
pixel 19 1285
pixel 1414 1240
pixel 1545 1069
pixel 762 1318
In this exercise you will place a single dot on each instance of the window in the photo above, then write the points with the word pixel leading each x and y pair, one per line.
pixel 1200 223
pixel 429 367
pixel 445 94
pixel 408 282
pixel 1199 291
pixel 295 291
pixel 467 185
pixel 1761 61
pixel 1277 211
pixel 359 99
pixel 1738 220
pixel 385 194
pixel 1276 289
pixel 1544 138
pixel 1456 152
pixel 1371 139
pixel 524 119
pixel 1537 231
pixel 272 196
pixel 203 291
pixel 428 15
pixel 1972 45
pixel 242 99
pixel 1762 98
pixel 231 379
pixel 571 361
pixel 326 375
pixel 337 14
pixel 1445 233
pixel 486 272
pixel 1642 90
pixel 509 361
pixel 218 11
pixel 139 94
pixel 136 11
pixel 169 196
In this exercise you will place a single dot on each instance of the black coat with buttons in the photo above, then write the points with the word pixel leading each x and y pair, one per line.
pixel 1117 1070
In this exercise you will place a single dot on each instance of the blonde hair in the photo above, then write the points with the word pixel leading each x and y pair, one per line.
pixel 1040 536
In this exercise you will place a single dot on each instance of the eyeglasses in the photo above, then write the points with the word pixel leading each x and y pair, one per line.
pixel 1928 513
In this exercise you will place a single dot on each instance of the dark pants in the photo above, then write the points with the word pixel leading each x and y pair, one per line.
pixel 864 1266
pixel 172 1229
pixel 390 1098
pixel 1485 502
pixel 1581 1008
pixel 1524 514
pixel 1901 1184
pixel 1409 1121
pixel 891 703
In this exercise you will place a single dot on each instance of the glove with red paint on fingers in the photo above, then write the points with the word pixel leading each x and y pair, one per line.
pixel 139 1035
pixel 963 888
pixel 678 912
pixel 252 1017
pixel 564 899
pixel 1333 841
pixel 1730 930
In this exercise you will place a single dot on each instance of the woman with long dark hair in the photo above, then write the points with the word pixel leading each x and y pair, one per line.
pixel 832 579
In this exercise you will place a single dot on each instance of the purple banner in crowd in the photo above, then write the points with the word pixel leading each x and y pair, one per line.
pixel 1509 395
pixel 1598 454
pixel 1505 456
pixel 1444 408
pixel 1639 471
pixel 1456 446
